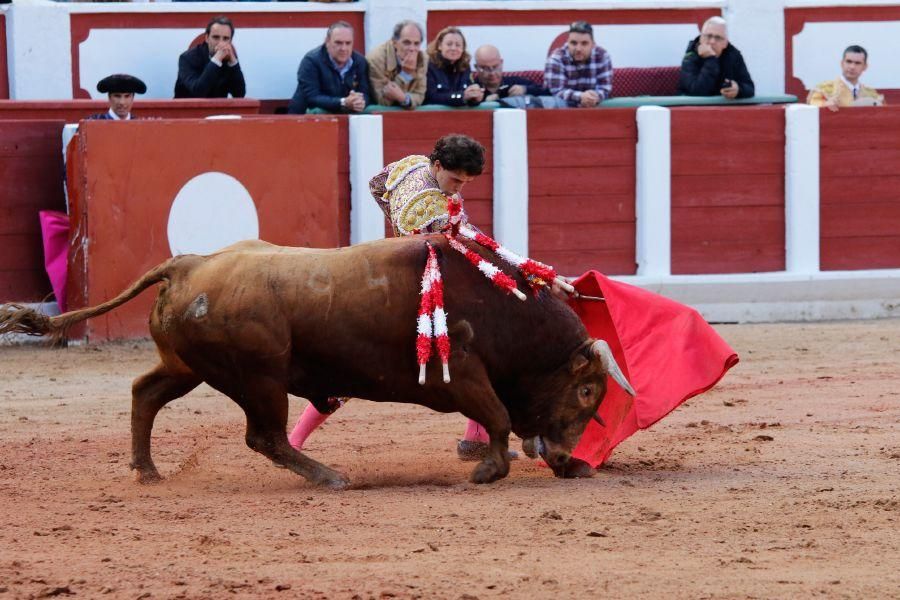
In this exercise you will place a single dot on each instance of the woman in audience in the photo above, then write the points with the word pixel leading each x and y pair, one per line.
pixel 449 76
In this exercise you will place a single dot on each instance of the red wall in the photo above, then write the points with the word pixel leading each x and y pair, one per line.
pixel 581 189
pixel 4 68
pixel 859 187
pixel 415 133
pixel 727 190
pixel 125 218
pixel 73 111
pixel 31 179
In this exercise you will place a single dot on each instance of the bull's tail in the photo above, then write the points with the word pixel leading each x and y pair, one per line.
pixel 15 318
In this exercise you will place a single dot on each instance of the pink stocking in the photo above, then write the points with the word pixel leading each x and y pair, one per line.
pixel 476 433
pixel 306 424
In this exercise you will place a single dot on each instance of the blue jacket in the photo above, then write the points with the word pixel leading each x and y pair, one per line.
pixel 445 87
pixel 319 84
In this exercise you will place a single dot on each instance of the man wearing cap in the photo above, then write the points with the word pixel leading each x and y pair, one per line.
pixel 211 69
pixel 121 89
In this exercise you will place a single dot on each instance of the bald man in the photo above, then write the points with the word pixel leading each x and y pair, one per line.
pixel 489 75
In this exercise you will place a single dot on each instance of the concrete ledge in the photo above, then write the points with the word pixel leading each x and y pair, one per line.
pixel 782 296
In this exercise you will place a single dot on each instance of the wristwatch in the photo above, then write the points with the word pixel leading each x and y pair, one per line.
pixel 343 103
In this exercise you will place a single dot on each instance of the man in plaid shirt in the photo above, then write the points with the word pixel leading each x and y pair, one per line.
pixel 579 73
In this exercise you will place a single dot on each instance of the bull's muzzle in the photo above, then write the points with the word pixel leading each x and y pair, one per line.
pixel 556 460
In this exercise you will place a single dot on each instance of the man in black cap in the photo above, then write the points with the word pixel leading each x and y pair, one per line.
pixel 121 89
pixel 211 69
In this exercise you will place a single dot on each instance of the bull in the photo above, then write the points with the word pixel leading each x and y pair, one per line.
pixel 258 322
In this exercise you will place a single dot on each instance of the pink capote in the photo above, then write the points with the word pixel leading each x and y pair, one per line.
pixel 668 352
pixel 55 232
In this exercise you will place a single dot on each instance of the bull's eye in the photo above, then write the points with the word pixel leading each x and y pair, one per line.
pixel 585 391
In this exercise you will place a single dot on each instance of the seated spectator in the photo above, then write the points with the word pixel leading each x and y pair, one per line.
pixel 332 77
pixel 711 66
pixel 211 69
pixel 579 73
pixel 120 90
pixel 847 90
pixel 449 78
pixel 397 68
pixel 489 75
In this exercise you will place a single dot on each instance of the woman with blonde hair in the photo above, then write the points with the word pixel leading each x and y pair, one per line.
pixel 449 74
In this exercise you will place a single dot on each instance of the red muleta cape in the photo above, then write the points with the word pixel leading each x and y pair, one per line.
pixel 668 352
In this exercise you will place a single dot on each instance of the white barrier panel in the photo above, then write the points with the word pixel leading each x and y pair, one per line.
pixel 654 192
pixel 366 159
pixel 801 189
pixel 511 179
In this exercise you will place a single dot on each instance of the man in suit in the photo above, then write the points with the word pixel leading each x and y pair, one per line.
pixel 332 77
pixel 211 69
pixel 847 90
pixel 120 90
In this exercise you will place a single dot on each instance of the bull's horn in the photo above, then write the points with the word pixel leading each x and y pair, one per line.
pixel 601 350
pixel 599 420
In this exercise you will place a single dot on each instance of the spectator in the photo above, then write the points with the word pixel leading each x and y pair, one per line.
pixel 579 73
pixel 120 90
pixel 211 69
pixel 489 75
pixel 332 77
pixel 397 68
pixel 449 78
pixel 711 66
pixel 846 90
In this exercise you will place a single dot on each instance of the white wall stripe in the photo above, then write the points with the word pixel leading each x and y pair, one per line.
pixel 801 189
pixel 654 192
pixel 511 179
pixel 366 159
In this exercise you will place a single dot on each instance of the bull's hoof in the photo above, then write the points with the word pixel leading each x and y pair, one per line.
pixel 147 476
pixel 486 472
pixel 577 468
pixel 471 450
pixel 529 447
pixel 334 481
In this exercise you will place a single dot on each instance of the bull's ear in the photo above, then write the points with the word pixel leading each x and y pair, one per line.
pixel 579 361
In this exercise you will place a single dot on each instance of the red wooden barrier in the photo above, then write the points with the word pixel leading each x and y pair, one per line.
pixel 288 167
pixel 581 189
pixel 31 178
pixel 415 133
pixel 72 111
pixel 859 185
pixel 727 190
pixel 4 62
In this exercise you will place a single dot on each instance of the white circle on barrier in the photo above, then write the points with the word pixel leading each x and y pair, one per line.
pixel 211 211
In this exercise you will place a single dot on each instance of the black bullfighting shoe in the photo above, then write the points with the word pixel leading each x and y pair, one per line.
pixel 470 450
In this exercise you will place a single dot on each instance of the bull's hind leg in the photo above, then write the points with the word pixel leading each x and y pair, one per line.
pixel 265 402
pixel 149 393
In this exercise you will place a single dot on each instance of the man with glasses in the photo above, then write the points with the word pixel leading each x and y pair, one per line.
pixel 497 86
pixel 398 68
pixel 579 73
pixel 712 67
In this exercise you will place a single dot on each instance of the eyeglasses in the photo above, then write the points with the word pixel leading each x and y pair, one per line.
pixel 487 69
pixel 712 37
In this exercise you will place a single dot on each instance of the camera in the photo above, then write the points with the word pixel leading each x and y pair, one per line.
pixel 726 84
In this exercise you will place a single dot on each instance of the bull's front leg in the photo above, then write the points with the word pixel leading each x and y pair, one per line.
pixel 480 403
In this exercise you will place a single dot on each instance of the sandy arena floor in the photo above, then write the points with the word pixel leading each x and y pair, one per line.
pixel 782 482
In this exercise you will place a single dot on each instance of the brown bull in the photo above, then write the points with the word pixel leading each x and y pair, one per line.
pixel 258 322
